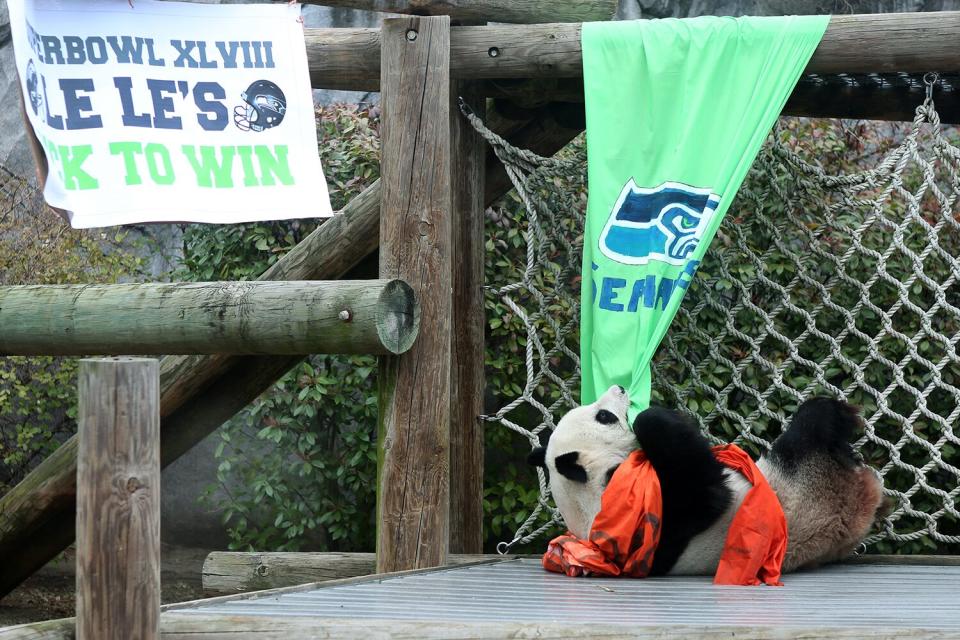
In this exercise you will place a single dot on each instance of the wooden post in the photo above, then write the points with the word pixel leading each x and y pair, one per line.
pixel 467 381
pixel 413 499
pixel 274 318
pixel 118 500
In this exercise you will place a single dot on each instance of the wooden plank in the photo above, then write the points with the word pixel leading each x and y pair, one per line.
pixel 198 393
pixel 118 500
pixel 231 572
pixel 327 584
pixel 180 626
pixel 469 322
pixel 63 629
pixel 275 318
pixel 518 11
pixel 413 497
pixel 59 629
pixel 909 42
pixel 229 627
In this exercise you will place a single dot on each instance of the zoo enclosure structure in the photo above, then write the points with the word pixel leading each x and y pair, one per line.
pixel 425 217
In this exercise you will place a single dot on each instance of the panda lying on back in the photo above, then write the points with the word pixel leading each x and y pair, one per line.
pixel 829 498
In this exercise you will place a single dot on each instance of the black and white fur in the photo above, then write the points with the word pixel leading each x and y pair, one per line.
pixel 830 499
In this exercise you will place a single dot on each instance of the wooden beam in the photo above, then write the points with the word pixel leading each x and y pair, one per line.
pixel 830 99
pixel 469 323
pixel 231 572
pixel 909 42
pixel 518 11
pixel 118 500
pixel 413 497
pixel 275 318
pixel 199 393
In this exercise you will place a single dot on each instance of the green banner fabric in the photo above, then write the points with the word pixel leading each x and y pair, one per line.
pixel 677 110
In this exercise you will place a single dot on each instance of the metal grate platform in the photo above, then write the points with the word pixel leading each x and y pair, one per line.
pixel 840 597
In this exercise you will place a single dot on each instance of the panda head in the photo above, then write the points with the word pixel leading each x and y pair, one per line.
pixel 584 450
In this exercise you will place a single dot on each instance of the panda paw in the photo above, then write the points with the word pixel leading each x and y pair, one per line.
pixel 671 441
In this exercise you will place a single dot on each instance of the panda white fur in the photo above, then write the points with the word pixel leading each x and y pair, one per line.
pixel 830 499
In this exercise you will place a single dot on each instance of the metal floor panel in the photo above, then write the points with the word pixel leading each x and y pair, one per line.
pixel 851 596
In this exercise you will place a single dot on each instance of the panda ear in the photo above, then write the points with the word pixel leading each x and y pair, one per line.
pixel 538 457
pixel 568 467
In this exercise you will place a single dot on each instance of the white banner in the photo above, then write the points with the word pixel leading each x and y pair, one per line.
pixel 169 111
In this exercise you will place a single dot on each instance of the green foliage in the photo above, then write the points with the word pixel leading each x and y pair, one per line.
pixel 38 394
pixel 297 469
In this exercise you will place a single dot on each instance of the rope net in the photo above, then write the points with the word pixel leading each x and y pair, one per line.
pixel 845 285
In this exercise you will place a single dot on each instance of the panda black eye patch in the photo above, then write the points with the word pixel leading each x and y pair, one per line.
pixel 606 417
pixel 568 467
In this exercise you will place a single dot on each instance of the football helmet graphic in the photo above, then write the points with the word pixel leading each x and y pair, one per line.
pixel 34 96
pixel 264 107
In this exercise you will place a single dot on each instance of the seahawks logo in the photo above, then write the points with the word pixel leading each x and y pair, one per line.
pixel 663 224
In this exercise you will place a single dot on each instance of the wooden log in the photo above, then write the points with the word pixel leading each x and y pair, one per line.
pixel 517 11
pixel 832 99
pixel 230 572
pixel 469 323
pixel 198 393
pixel 276 318
pixel 909 42
pixel 118 500
pixel 413 496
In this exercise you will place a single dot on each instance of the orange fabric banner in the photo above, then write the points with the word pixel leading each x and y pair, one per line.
pixel 626 531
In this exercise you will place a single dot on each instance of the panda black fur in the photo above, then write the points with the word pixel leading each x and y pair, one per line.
pixel 829 498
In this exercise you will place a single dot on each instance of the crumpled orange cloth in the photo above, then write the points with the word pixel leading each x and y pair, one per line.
pixel 625 534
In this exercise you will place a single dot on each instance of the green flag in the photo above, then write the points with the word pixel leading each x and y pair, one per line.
pixel 676 112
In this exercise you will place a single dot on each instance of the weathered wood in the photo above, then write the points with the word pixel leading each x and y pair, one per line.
pixel 911 42
pixel 230 572
pixel 198 393
pixel 469 322
pixel 276 318
pixel 518 11
pixel 830 100
pixel 59 629
pixel 176 625
pixel 62 629
pixel 118 500
pixel 208 627
pixel 413 496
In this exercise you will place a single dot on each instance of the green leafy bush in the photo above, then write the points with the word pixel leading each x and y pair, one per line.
pixel 38 394
pixel 297 468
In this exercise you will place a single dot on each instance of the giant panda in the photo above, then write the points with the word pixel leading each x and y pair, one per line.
pixel 830 499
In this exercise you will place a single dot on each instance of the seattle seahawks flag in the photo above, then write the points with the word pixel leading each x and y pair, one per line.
pixel 676 112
